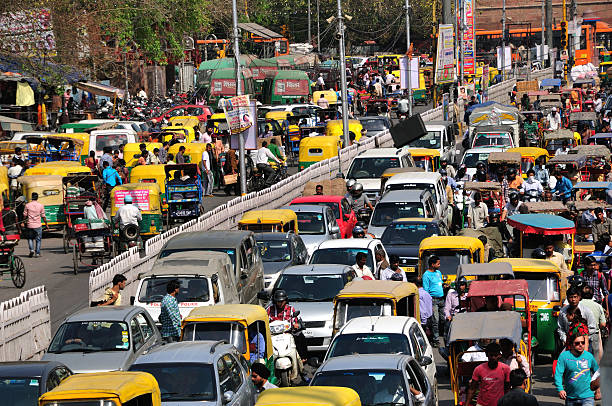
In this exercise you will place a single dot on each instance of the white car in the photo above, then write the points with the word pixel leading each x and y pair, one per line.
pixel 345 250
pixel 474 155
pixel 368 166
pixel 385 335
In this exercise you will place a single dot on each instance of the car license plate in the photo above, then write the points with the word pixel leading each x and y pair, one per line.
pixel 307 333
pixel 409 269
pixel 533 308
pixel 183 212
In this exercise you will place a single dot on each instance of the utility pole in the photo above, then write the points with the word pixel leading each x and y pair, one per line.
pixel 543 25
pixel 309 32
pixel 318 30
pixel 461 42
pixel 343 94
pixel 409 57
pixel 549 30
pixel 503 47
pixel 241 151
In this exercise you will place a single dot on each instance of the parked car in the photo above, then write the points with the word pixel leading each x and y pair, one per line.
pixel 23 382
pixel 345 216
pixel 202 112
pixel 279 251
pixel 385 335
pixel 315 224
pixel 106 338
pixel 198 372
pixel 377 378
pixel 401 203
pixel 345 251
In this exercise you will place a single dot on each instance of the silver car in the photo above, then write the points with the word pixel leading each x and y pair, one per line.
pixel 316 224
pixel 199 373
pixel 379 379
pixel 105 338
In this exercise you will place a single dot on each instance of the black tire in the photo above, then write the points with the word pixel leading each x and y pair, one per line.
pixel 18 274
pixel 75 259
pixel 65 240
pixel 285 382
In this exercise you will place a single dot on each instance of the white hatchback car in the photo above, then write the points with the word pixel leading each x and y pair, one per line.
pixel 385 335
pixel 344 251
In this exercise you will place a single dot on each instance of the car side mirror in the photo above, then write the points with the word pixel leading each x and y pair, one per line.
pixel 228 397
pixel 263 295
pixel 132 300
pixel 314 362
pixel 425 361
pixel 334 230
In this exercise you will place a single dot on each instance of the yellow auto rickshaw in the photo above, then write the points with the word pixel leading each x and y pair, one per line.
pixel 84 137
pixel 250 320
pixel 388 173
pixel 131 152
pixel 147 197
pixel 193 151
pixel 426 158
pixel 334 129
pixel 277 220
pixel 316 149
pixel 530 156
pixel 452 251
pixel 375 298
pixel 308 396
pixel 184 126
pixel 4 187
pixel 7 149
pixel 116 388
pixel 151 174
pixel 184 121
pixel 62 168
pixel 329 95
pixel 280 116
pixel 50 195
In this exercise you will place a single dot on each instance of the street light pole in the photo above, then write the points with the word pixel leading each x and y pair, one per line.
pixel 241 151
pixel 318 30
pixel 503 50
pixel 309 32
pixel 409 57
pixel 343 94
pixel 543 29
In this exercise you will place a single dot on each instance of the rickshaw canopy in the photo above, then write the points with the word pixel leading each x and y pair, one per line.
pixel 482 186
pixel 576 159
pixel 309 395
pixel 274 216
pixel 394 171
pixel 583 116
pixel 133 148
pixel 528 264
pixel 484 270
pixel 192 150
pixel 601 136
pixel 591 151
pixel 184 121
pixel 451 242
pixel 554 206
pixel 422 152
pixel 592 185
pixel 378 288
pixel 330 96
pixel 494 325
pixel 550 82
pixel 146 196
pixel 582 205
pixel 335 127
pixel 33 181
pixel 545 224
pixel 560 134
pixel 505 158
pixel 62 168
pixel 528 152
pixel 499 287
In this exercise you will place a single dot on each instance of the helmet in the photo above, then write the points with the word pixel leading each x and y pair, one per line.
pixel 443 172
pixel 358 187
pixel 127 199
pixel 357 231
pixel 513 195
pixel 480 165
pixel 462 281
pixel 512 171
pixel 576 280
pixel 279 296
pixel 362 224
pixel 538 253
pixel 350 183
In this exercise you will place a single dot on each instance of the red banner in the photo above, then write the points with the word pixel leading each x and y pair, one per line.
pixel 291 87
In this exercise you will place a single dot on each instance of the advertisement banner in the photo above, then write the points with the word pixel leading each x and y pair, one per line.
pixel 414 73
pixel 291 87
pixel 250 136
pixel 27 33
pixel 469 38
pixel 507 58
pixel 237 113
pixel 445 58
pixel 140 198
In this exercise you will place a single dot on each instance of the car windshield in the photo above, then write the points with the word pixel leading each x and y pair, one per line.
pixel 232 332
pixel 348 309
pixel 311 288
pixel 332 205
pixel 91 336
pixel 449 259
pixel 371 168
pixel 231 252
pixel 431 140
pixel 274 250
pixel 345 256
pixel 542 286
pixel 188 382
pixel 20 391
pixel 375 388
pixel 113 141
pixel 385 213
pixel 492 140
pixel 526 164
pixel 310 223
pixel 408 233
pixel 369 343
pixel 472 158
pixel 191 289
pixel 373 124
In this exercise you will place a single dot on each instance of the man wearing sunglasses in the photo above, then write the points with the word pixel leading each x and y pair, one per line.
pixel 575 373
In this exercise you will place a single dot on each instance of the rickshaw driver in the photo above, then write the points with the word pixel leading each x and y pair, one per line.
pixel 128 214
pixel 281 310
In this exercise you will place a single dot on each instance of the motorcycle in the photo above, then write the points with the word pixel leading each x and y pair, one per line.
pixel 532 196
pixel 364 214
pixel 287 362
pixel 129 236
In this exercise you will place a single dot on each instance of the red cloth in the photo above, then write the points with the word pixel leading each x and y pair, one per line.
pixel 287 314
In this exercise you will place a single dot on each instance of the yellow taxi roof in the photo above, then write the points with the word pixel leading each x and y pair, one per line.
pixel 268 216
pixel 327 140
pixel 278 114
pixel 529 151
pixel 417 219
pixel 529 264
pixel 451 242
pixel 309 395
pixel 366 288
pixel 123 385
pixel 247 312
pixel 423 152
pixel 41 180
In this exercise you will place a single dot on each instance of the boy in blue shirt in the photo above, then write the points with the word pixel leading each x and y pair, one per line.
pixel 575 368
pixel 432 283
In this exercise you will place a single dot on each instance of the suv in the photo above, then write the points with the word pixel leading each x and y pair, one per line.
pixel 396 204
pixel 279 251
pixel 441 136
pixel 368 166
pixel 315 224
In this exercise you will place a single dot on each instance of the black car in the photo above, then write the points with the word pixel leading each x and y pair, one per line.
pixel 279 251
pixel 24 382
pixel 403 236
pixel 374 124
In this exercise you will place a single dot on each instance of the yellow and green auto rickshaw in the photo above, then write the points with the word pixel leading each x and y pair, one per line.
pixel 452 251
pixel 334 128
pixel 426 158
pixel 61 168
pixel 50 195
pixel 131 152
pixel 84 137
pixel 193 151
pixel 147 197
pixel 151 174
pixel 309 396
pixel 530 156
pixel 316 149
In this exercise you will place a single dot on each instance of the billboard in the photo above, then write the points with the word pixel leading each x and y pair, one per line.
pixel 291 87
pixel 27 33
pixel 238 114
pixel 445 58
pixel 469 38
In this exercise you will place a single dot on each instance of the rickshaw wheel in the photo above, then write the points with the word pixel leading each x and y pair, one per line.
pixel 75 259
pixel 284 379
pixel 18 272
pixel 65 240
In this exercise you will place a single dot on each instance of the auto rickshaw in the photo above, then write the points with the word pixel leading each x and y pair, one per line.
pixel 375 298
pixel 307 395
pixel 536 228
pixel 491 195
pixel 50 195
pixel 506 160
pixel 262 221
pixel 570 165
pixel 546 295
pixel 116 388
pixel 588 119
pixel 389 172
pixel 597 157
pixel 280 117
pixel 183 193
pixel 483 272
pixel 452 252
pixel 601 139
pixel 466 329
pixel 243 321
pixel 421 94
pixel 316 149
pixel 151 174
pixel 553 140
pixel 329 95
pixel 605 73
pixel 7 149
pixel 147 197
pixel 184 135
pixel 428 159
pixel 131 152
pixel 592 191
pixel 62 168
pixel 84 137
pixel 193 151
pixel 530 156
pixel 334 129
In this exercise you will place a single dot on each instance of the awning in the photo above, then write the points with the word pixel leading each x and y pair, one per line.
pixel 259 31
pixel 100 89
pixel 12 124
pixel 546 224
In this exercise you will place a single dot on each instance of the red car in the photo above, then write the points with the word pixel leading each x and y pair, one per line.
pixel 203 112
pixel 345 216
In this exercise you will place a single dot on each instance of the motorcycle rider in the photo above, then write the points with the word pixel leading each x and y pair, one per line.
pixel 281 310
pixel 533 186
pixel 358 200
pixel 349 187
pixel 127 214
pixel 358 232
pixel 263 155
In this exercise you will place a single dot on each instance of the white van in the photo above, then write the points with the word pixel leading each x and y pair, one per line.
pixel 441 136
pixel 205 277
pixel 115 139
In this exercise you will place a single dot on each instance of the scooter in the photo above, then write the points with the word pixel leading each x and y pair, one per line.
pixel 532 195
pixel 287 362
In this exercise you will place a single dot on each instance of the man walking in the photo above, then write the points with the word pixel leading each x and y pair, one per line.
pixel 574 296
pixel 111 178
pixel 207 175
pixel 170 316
pixel 34 212
pixel 112 295
pixel 573 374
pixel 432 283
pixel 517 396
pixel 492 378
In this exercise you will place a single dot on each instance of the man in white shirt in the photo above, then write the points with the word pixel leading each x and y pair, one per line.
pixel 476 353
pixel 207 175
pixel 360 268
pixel 128 213
pixel 263 154
pixel 554 119
pixel 320 82
pixel 390 78
pixel 323 102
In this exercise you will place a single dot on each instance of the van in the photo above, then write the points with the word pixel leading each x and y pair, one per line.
pixel 114 139
pixel 397 204
pixel 206 279
pixel 247 271
pixel 431 181
pixel 442 136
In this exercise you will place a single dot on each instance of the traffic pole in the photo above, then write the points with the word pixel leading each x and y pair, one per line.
pixel 409 56
pixel 343 91
pixel 241 149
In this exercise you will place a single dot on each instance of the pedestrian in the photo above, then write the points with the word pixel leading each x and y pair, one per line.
pixel 598 314
pixel 478 212
pixel 492 378
pixel 573 374
pixel 381 262
pixel 594 278
pixel 206 168
pixel 112 295
pixel 34 213
pixel 170 316
pixel 91 161
pixel 106 157
pixel 259 377
pixel 319 190
pixel 432 283
pixel 452 304
pixel 574 296
pixel 163 152
pixel 425 305
pixel 111 178
pixel 601 225
pixel 517 396
pixel 180 156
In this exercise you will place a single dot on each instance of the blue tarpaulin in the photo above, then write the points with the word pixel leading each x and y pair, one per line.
pixel 550 82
